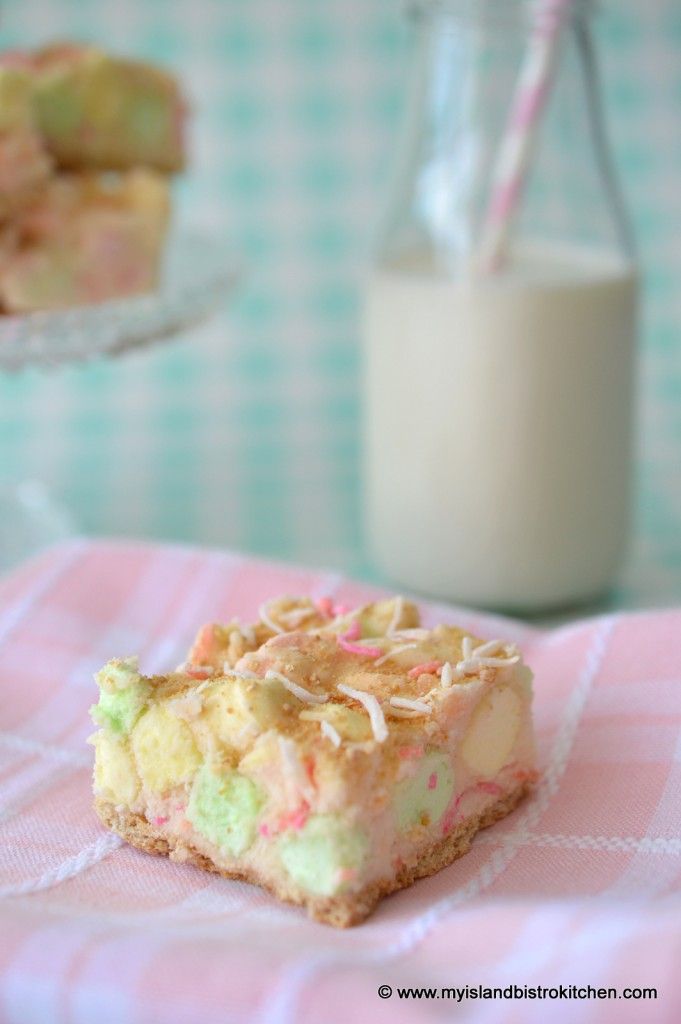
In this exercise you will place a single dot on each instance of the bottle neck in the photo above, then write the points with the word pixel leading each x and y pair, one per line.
pixel 466 71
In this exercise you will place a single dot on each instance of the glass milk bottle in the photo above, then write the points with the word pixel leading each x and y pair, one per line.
pixel 498 399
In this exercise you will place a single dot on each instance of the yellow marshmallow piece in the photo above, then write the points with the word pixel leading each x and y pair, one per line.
pixel 492 731
pixel 164 749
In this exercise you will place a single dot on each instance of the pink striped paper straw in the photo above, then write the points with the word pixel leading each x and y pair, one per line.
pixel 515 152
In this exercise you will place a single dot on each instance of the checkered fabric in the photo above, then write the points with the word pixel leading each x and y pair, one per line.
pixel 580 886
pixel 246 433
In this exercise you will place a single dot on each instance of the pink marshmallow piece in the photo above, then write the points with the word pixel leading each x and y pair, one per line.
pixel 325 606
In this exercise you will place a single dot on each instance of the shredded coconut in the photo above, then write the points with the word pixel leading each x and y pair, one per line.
pixel 331 733
pixel 481 657
pixel 404 713
pixel 374 710
pixel 296 616
pixel 407 704
pixel 414 633
pixel 475 663
pixel 484 650
pixel 240 673
pixel 446 676
pixel 264 613
pixel 395 650
pixel 298 691
pixel 396 616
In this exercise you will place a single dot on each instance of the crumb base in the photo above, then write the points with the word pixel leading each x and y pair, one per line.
pixel 339 911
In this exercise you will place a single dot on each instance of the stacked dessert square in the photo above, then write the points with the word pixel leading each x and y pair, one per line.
pixel 87 144
pixel 331 756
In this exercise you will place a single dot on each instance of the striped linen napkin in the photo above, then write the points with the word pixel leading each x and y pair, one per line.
pixel 579 888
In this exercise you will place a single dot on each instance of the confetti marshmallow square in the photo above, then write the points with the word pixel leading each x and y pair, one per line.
pixel 331 756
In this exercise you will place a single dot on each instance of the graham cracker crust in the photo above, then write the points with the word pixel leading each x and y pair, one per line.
pixel 338 911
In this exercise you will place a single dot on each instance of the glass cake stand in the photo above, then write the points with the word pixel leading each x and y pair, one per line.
pixel 198 275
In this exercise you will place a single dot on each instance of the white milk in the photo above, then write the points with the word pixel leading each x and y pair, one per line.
pixel 498 427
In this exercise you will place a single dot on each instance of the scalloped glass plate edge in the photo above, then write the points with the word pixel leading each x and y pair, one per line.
pixel 199 273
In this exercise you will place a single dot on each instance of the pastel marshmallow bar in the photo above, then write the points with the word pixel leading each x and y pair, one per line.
pixel 327 776
pixel 24 163
pixel 84 239
pixel 99 111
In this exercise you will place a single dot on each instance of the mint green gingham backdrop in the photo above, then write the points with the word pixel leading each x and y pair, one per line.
pixel 245 432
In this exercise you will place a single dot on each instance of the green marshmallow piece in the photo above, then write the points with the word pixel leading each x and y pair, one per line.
pixel 118 710
pixel 224 807
pixel 423 798
pixel 316 855
pixel 148 119
pixel 58 107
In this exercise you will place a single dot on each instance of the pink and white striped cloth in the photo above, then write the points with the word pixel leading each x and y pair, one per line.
pixel 580 886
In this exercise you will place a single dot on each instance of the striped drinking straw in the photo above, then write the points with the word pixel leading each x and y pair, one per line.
pixel 515 151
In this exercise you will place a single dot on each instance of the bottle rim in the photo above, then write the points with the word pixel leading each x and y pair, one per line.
pixel 494 13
